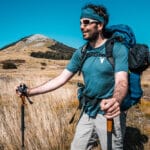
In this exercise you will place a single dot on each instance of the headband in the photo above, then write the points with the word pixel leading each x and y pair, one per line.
pixel 90 13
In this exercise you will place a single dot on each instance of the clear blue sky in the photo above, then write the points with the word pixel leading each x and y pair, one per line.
pixel 59 19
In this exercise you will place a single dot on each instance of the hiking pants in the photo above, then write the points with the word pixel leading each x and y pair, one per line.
pixel 85 128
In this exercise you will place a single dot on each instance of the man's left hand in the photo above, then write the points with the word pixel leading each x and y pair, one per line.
pixel 111 107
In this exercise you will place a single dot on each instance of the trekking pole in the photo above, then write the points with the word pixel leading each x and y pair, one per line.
pixel 109 133
pixel 22 89
pixel 22 122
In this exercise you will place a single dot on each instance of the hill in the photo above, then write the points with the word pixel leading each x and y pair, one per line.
pixel 39 46
pixel 24 53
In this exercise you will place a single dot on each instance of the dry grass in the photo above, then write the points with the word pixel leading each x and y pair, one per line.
pixel 47 126
pixel 46 120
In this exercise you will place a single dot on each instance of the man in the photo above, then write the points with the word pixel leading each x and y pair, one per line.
pixel 105 85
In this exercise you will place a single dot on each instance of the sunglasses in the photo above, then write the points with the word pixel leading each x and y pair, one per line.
pixel 87 21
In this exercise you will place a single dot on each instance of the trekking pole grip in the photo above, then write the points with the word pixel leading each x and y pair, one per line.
pixel 23 90
pixel 109 125
pixel 109 133
pixel 23 99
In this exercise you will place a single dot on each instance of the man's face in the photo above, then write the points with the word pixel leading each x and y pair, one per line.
pixel 89 28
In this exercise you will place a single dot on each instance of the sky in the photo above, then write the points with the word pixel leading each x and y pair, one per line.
pixel 60 19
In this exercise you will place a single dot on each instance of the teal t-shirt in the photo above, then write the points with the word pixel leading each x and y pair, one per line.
pixel 98 73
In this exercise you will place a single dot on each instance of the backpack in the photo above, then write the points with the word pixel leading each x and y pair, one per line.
pixel 139 60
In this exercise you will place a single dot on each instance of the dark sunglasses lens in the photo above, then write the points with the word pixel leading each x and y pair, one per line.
pixel 86 22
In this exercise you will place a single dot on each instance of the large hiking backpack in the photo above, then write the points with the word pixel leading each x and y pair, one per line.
pixel 139 60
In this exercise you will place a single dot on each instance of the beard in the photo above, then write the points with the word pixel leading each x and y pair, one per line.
pixel 90 37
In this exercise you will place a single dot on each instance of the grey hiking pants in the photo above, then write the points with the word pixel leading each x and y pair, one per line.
pixel 85 128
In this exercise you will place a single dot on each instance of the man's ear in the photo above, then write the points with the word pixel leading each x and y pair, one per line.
pixel 100 26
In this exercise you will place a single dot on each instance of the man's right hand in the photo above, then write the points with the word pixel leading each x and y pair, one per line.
pixel 21 90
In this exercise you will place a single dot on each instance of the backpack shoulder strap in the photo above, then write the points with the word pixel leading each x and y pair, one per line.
pixel 109 45
pixel 109 53
pixel 83 56
pixel 109 50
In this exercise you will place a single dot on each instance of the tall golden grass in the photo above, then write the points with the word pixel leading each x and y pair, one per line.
pixel 46 120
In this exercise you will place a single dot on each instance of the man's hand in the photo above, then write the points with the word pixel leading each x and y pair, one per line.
pixel 111 107
pixel 21 90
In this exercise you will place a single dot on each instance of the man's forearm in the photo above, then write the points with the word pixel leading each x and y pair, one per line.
pixel 120 90
pixel 41 89
pixel 51 84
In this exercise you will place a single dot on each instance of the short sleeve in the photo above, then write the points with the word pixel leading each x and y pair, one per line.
pixel 120 55
pixel 75 61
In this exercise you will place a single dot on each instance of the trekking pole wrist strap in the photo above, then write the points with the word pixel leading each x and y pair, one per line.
pixel 23 89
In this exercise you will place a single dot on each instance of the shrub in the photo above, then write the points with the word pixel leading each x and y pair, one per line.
pixel 9 65
pixel 43 64
pixel 51 55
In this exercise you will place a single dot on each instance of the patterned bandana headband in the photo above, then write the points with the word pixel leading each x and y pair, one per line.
pixel 91 14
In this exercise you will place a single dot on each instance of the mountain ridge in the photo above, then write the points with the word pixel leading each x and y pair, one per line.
pixel 39 46
pixel 32 38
